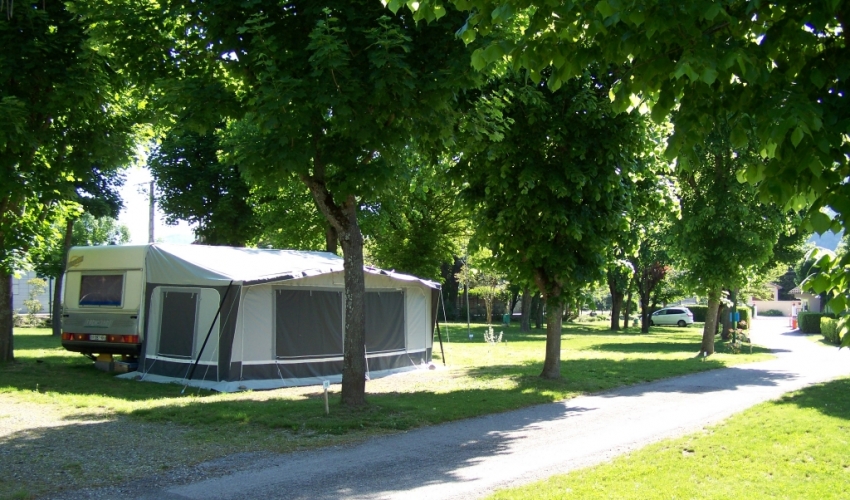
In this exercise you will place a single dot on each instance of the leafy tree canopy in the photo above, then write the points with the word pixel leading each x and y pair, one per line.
pixel 777 71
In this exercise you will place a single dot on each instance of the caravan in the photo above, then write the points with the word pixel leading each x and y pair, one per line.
pixel 236 318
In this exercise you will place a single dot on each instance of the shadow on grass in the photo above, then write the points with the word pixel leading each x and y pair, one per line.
pixel 830 398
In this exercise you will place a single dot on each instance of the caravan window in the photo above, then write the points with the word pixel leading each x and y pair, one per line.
pixel 101 289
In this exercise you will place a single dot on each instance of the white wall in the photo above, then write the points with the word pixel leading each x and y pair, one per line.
pixel 782 305
pixel 21 292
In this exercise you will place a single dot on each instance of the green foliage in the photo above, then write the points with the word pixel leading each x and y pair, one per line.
pixel 810 322
pixel 195 186
pixel 775 73
pixel 415 229
pixel 87 230
pixel 549 177
pixel 67 123
pixel 726 234
pixel 37 286
pixel 771 312
pixel 829 328
pixel 700 313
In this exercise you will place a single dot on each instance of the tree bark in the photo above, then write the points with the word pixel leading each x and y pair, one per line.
pixel 616 306
pixel 541 306
pixel 525 320
pixel 354 348
pixel 56 313
pixel 644 313
pixel 550 290
pixel 343 219
pixel 7 346
pixel 710 327
pixel 628 308
pixel 552 363
pixel 331 240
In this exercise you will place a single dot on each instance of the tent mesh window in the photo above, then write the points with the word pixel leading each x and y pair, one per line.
pixel 384 321
pixel 177 324
pixel 308 323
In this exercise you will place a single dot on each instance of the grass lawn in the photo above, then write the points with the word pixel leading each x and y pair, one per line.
pixel 478 378
pixel 796 447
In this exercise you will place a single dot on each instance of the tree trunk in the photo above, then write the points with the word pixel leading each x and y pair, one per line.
pixel 541 306
pixel 354 348
pixel 552 364
pixel 616 306
pixel 343 218
pixel 644 313
pixel 331 240
pixel 7 346
pixel 488 306
pixel 710 324
pixel 56 313
pixel 628 308
pixel 525 317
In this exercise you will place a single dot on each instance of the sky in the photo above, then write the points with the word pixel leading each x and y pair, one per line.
pixel 135 212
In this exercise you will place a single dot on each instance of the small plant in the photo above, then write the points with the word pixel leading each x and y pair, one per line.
pixel 737 340
pixel 33 305
pixel 491 338
pixel 771 312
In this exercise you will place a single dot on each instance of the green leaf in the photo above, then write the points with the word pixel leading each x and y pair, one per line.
pixel 817 78
pixel 739 136
pixel 709 75
pixel 797 136
pixel 712 11
pixel 820 222
pixel 605 8
pixel 478 60
pixel 838 303
pixel 493 53
pixel 637 17
pixel 467 34
pixel 395 5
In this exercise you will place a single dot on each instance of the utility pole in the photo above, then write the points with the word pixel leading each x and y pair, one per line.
pixel 151 213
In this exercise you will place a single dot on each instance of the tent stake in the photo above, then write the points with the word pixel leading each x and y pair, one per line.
pixel 204 345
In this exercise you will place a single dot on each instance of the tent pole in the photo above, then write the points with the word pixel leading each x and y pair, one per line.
pixel 209 332
pixel 440 336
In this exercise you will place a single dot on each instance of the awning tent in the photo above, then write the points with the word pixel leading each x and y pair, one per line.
pixel 263 319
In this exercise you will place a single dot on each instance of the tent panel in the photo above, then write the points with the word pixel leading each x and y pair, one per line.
pixel 384 321
pixel 417 322
pixel 308 369
pixel 178 369
pixel 208 307
pixel 228 319
pixel 254 339
pixel 307 323
pixel 178 316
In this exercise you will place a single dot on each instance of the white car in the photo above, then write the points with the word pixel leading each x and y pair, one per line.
pixel 681 316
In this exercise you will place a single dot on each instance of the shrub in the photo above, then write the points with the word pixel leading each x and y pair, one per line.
pixel 829 330
pixel 701 311
pixel 771 312
pixel 809 322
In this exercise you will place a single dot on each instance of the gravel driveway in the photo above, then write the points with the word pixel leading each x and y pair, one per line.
pixel 471 458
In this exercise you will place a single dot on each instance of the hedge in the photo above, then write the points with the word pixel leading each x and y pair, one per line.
pixel 809 322
pixel 829 330
pixel 700 312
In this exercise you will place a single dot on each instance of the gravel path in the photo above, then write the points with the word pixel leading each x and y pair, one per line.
pixel 471 458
